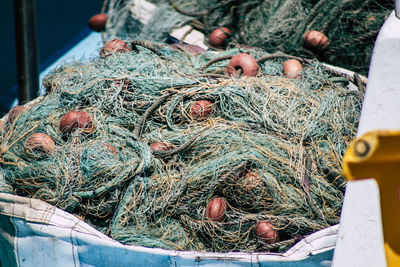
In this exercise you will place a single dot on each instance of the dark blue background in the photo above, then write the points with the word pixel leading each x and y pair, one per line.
pixel 61 24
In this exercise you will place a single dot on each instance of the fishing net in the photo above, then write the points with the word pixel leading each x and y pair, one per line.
pixel 350 25
pixel 270 147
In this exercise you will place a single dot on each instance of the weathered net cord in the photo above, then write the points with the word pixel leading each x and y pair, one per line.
pixel 361 86
pixel 348 77
pixel 185 35
pixel 198 25
pixel 281 243
pixel 147 45
pixel 187 13
pixel 179 149
pixel 103 8
pixel 148 113
pixel 233 173
pixel 215 60
pixel 261 59
pixel 360 39
pixel 306 187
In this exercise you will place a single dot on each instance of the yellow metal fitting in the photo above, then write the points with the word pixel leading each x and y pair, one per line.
pixel 377 155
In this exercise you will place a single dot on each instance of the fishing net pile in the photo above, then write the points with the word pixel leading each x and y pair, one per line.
pixel 142 164
pixel 350 25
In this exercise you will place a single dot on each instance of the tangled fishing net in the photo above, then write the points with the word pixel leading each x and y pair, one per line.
pixel 350 25
pixel 269 147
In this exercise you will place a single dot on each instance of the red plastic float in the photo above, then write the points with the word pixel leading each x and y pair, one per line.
pixel 245 62
pixel 251 180
pixel 201 109
pixel 98 22
pixel 115 46
pixel 76 119
pixel 316 41
pixel 14 113
pixel 160 146
pixel 216 209
pixel 292 68
pixel 110 148
pixel 40 142
pixel 264 230
pixel 218 37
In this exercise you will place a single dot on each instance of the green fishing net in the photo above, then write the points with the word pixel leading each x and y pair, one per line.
pixel 350 25
pixel 289 134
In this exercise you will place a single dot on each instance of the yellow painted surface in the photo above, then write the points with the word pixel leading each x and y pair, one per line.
pixel 377 155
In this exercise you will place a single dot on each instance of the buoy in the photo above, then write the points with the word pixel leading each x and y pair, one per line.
pixel 98 22
pixel 251 180
pixel 125 82
pixel 114 46
pixel 76 119
pixel 201 109
pixel 40 142
pixel 245 62
pixel 316 41
pixel 264 230
pixel 14 113
pixel 292 68
pixel 218 37
pixel 216 209
pixel 110 148
pixel 160 146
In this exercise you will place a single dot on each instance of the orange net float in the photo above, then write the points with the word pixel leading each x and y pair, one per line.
pixel 292 68
pixel 216 209
pixel 122 82
pixel 14 114
pixel 74 120
pixel 218 37
pixel 40 142
pixel 251 181
pixel 98 22
pixel 110 148
pixel 201 109
pixel 115 46
pixel 160 146
pixel 245 63
pixel 264 231
pixel 316 41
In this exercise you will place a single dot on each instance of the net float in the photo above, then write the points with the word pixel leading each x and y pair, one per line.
pixel 216 209
pixel 124 82
pixel 316 41
pixel 193 49
pixel 114 46
pixel 292 68
pixel 264 230
pixel 76 119
pixel 40 142
pixel 219 36
pixel 110 148
pixel 244 62
pixel 201 109
pixel 160 146
pixel 251 180
pixel 14 113
pixel 98 22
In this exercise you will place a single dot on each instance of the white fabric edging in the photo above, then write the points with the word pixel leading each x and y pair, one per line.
pixel 61 238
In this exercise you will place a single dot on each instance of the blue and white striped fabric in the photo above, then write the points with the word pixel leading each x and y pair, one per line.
pixel 34 233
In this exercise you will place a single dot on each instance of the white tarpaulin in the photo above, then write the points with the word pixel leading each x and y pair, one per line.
pixel 34 233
